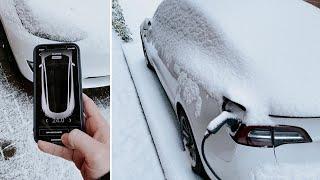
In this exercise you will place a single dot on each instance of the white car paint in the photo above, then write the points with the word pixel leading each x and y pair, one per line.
pixel 94 60
pixel 44 88
pixel 229 159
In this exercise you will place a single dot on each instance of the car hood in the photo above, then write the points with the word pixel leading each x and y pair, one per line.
pixel 64 20
pixel 83 22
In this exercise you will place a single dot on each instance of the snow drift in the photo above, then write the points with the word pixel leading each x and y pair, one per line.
pixel 263 55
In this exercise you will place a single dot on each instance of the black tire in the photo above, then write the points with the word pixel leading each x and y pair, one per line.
pixel 5 44
pixel 190 145
pixel 145 55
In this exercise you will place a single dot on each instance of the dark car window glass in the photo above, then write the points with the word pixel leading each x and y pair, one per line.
pixel 57 80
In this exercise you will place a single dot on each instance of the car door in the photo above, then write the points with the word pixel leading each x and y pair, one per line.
pixel 160 49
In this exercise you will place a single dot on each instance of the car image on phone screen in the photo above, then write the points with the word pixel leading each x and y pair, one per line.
pixel 57 91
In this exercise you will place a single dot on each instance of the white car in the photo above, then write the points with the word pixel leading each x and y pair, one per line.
pixel 28 23
pixel 243 79
pixel 57 71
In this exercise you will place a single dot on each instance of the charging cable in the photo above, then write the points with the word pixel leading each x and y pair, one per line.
pixel 214 126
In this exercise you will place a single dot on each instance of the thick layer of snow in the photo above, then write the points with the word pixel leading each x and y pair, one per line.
pixel 190 91
pixel 266 61
pixel 134 155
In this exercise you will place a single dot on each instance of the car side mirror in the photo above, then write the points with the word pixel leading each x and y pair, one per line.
pixel 147 24
pixel 224 118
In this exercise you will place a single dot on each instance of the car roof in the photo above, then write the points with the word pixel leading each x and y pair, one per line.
pixel 277 43
pixel 280 44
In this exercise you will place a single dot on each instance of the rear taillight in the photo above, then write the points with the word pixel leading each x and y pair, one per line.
pixel 269 136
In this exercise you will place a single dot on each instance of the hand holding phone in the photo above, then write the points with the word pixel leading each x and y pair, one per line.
pixel 89 151
pixel 57 91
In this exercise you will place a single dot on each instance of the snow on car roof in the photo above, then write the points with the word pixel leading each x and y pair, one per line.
pixel 271 51
pixel 65 20
pixel 281 43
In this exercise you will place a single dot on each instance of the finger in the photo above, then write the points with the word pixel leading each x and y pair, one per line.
pixel 79 140
pixel 90 107
pixel 94 119
pixel 103 134
pixel 78 158
pixel 55 150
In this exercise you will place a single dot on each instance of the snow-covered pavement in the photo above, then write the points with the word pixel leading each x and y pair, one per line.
pixel 160 117
pixel 16 120
pixel 134 155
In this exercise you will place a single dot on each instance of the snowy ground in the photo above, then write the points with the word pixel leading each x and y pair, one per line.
pixel 16 137
pixel 133 149
pixel 159 116
pixel 145 132
pixel 157 111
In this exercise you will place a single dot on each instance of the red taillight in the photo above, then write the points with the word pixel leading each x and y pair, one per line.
pixel 269 136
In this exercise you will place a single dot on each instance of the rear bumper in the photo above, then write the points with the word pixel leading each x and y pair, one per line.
pixel 291 161
pixel 303 153
pixel 95 82
pixel 294 161
pixel 235 161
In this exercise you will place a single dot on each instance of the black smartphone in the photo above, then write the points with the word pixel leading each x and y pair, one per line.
pixel 57 91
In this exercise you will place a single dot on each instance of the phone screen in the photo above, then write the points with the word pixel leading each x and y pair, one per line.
pixel 57 91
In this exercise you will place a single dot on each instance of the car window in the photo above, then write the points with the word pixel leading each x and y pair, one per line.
pixel 57 78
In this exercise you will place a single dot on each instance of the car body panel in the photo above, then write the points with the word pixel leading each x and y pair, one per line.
pixel 229 159
pixel 95 62
pixel 169 82
pixel 262 75
pixel 305 153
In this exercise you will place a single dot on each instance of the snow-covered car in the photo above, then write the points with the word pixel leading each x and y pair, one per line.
pixel 28 23
pixel 245 72
pixel 57 85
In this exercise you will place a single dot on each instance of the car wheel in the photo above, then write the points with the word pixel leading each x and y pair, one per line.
pixel 146 56
pixel 5 44
pixel 190 146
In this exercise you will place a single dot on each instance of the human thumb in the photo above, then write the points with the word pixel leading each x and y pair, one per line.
pixel 79 140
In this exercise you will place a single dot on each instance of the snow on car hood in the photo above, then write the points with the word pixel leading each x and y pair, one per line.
pixel 63 20
pixel 84 22
pixel 263 55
